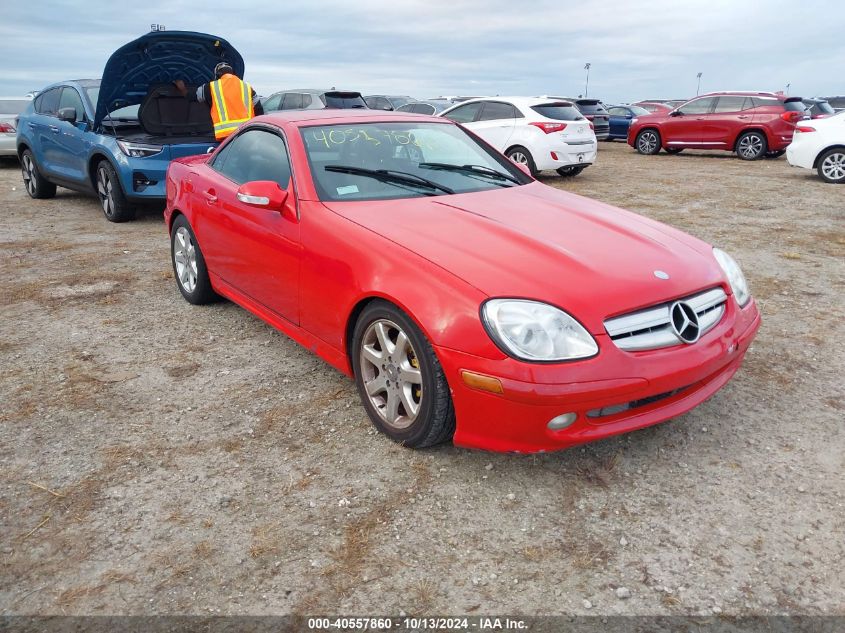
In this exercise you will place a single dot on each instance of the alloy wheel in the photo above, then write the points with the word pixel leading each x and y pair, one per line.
pixel 391 373
pixel 105 191
pixel 519 157
pixel 833 166
pixel 185 258
pixel 750 146
pixel 648 142
pixel 28 171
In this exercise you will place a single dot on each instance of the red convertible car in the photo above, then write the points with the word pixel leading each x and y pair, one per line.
pixel 468 301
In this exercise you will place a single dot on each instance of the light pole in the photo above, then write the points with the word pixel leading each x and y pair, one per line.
pixel 587 85
pixel 698 88
pixel 787 89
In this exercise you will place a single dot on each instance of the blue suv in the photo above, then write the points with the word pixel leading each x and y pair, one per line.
pixel 116 136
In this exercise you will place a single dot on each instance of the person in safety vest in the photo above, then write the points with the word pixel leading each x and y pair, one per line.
pixel 232 100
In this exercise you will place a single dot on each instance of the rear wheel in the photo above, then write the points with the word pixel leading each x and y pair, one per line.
pixel 189 264
pixel 832 166
pixel 115 206
pixel 751 146
pixel 674 150
pixel 522 156
pixel 37 186
pixel 648 142
pixel 399 378
pixel 571 170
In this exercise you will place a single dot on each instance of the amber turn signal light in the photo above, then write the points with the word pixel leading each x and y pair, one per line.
pixel 482 382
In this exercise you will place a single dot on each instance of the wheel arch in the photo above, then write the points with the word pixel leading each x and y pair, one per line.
pixel 825 150
pixel 22 147
pixel 95 159
pixel 752 128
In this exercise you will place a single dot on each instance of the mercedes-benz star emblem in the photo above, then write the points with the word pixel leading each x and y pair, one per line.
pixel 661 275
pixel 684 322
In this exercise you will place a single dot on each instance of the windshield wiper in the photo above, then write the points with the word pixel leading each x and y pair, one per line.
pixel 471 169
pixel 389 175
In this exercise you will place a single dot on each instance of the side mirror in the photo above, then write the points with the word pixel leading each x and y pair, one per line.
pixel 263 193
pixel 524 168
pixel 629 116
pixel 67 114
pixel 676 113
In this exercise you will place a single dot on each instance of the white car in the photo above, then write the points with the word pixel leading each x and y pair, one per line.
pixel 543 134
pixel 820 144
pixel 10 108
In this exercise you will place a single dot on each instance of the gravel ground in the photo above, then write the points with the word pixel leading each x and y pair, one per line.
pixel 161 458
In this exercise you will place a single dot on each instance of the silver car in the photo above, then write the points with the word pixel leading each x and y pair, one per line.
pixel 10 108
pixel 310 99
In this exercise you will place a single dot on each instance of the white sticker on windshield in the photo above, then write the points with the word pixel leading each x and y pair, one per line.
pixel 345 191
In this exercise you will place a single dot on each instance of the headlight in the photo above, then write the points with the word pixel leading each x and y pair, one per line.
pixel 138 150
pixel 534 331
pixel 734 275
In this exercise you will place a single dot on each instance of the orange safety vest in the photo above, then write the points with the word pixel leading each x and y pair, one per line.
pixel 231 105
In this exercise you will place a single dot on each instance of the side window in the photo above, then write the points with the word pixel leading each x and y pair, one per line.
pixel 70 99
pixel 496 110
pixel 699 106
pixel 272 103
pixel 306 100
pixel 465 113
pixel 730 104
pixel 48 102
pixel 424 108
pixel 255 154
pixel 292 101
pixel 618 112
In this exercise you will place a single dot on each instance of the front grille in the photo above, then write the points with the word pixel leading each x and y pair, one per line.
pixel 652 329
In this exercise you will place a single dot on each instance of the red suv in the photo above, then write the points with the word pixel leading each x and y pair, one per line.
pixel 752 124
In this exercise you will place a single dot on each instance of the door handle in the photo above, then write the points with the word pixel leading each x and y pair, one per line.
pixel 55 128
pixel 31 125
pixel 210 196
pixel 744 116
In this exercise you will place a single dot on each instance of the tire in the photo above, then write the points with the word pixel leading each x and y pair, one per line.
pixel 751 145
pixel 674 150
pixel 776 153
pixel 648 142
pixel 399 378
pixel 37 186
pixel 189 264
pixel 831 166
pixel 522 156
pixel 571 170
pixel 113 201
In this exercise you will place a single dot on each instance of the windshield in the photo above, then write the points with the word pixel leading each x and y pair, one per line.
pixel 13 106
pixel 400 157
pixel 93 94
pixel 637 110
pixel 558 111
pixel 343 100
pixel 823 107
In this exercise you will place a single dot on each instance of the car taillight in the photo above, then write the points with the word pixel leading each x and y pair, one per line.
pixel 7 128
pixel 804 129
pixel 792 116
pixel 548 128
pixel 592 127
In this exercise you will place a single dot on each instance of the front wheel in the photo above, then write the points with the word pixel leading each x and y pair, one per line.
pixel 751 146
pixel 399 378
pixel 648 142
pixel 522 156
pixel 832 166
pixel 37 186
pixel 571 170
pixel 115 206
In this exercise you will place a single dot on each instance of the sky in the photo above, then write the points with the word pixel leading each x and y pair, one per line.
pixel 636 50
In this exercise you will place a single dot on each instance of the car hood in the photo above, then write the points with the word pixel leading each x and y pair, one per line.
pixel 537 242
pixel 161 57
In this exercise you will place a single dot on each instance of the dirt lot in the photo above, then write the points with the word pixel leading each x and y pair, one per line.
pixel 159 458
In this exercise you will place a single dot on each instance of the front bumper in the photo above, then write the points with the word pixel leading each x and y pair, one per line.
pixel 659 385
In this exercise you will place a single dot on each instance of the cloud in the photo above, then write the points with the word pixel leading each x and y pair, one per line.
pixel 460 47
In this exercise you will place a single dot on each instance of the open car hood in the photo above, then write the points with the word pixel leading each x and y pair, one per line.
pixel 161 57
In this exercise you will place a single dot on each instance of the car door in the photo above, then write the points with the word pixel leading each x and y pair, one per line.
pixel 722 126
pixel 620 119
pixel 495 123
pixel 684 125
pixel 71 151
pixel 41 126
pixel 255 250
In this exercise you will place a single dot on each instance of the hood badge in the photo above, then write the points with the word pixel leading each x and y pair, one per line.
pixel 661 275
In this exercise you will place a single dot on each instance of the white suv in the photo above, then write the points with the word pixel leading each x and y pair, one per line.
pixel 542 134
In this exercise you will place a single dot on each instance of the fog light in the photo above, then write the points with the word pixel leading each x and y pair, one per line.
pixel 562 421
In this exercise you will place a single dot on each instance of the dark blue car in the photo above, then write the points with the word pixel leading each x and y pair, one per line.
pixel 620 119
pixel 116 136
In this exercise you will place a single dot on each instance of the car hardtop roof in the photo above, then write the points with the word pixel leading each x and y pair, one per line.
pixel 524 101
pixel 314 91
pixel 745 93
pixel 335 116
pixel 82 83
